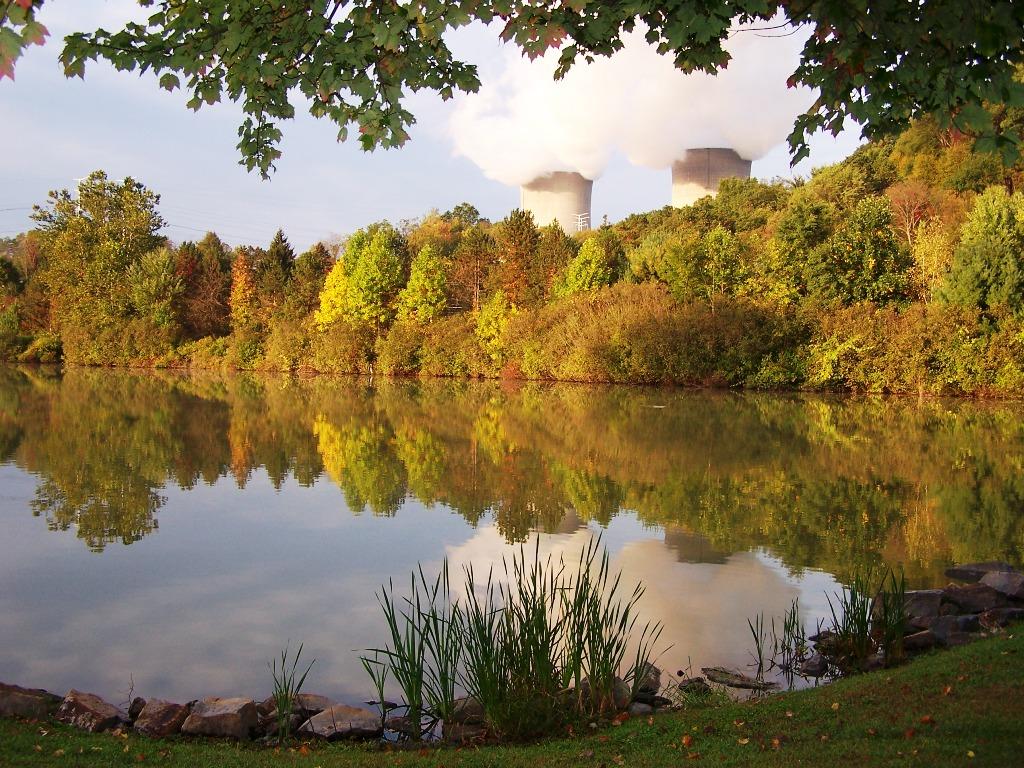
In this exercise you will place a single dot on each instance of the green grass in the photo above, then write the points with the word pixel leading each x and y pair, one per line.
pixel 933 711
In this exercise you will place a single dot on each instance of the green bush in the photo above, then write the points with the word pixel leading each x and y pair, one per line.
pixel 398 351
pixel 342 348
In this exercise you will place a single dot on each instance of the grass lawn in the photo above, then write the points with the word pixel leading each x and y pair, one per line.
pixel 959 707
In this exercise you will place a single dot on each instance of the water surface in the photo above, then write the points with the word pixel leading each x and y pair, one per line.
pixel 171 533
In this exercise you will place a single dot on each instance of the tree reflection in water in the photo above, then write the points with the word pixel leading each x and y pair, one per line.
pixel 830 483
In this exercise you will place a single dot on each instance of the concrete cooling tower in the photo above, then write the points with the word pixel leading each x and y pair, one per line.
pixel 561 196
pixel 700 171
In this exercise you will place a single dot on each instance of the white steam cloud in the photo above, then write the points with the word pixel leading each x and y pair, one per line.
pixel 524 124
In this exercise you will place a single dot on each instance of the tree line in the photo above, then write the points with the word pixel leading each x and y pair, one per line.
pixel 900 269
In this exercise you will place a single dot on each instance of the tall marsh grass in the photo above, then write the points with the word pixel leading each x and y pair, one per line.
pixel 538 644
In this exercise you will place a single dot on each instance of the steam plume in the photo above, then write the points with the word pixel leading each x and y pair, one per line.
pixel 524 124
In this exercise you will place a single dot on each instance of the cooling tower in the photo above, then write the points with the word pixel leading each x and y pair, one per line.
pixel 700 171
pixel 561 196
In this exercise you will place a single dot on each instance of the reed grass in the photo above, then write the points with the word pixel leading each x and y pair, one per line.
pixel 287 687
pixel 542 646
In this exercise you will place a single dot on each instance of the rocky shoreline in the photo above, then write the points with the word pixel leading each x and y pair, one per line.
pixel 990 597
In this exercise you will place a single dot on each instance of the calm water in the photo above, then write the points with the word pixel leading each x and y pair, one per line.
pixel 176 532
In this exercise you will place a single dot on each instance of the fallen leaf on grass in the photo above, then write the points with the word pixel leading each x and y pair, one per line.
pixel 927 720
pixel 947 690
pixel 872 732
pixel 909 733
pixel 823 737
pixel 743 741
pixel 303 750
pixel 37 748
pixel 970 753
pixel 619 760
pixel 776 743
pixel 835 706
pixel 693 755
pixel 587 753
pixel 739 723
pixel 58 753
pixel 789 713
pixel 687 740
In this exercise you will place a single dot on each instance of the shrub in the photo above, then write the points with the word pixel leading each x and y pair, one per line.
pixel 342 348
pixel 44 348
pixel 398 351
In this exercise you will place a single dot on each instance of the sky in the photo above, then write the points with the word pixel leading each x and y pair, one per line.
pixel 55 131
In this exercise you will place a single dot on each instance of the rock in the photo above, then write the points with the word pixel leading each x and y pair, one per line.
pixel 968 623
pixel 1001 617
pixel 344 722
pixel 973 598
pixel 463 733
pixel 733 679
pixel 920 641
pixel 30 703
pixel 137 705
pixel 467 711
pixel 268 723
pixel 972 572
pixel 214 716
pixel 814 666
pixel 1006 583
pixel 400 724
pixel 652 700
pixel 649 679
pixel 694 686
pixel 622 694
pixel 309 704
pixel 944 626
pixel 161 718
pixel 88 712
pixel 265 707
pixel 922 604
pixel 638 709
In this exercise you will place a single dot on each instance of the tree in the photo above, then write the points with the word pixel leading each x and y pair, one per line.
pixel 472 261
pixel 204 270
pixel 598 263
pixel 423 298
pixel 355 63
pixel 555 250
pixel 243 301
pixel 156 289
pixel 861 261
pixel 363 284
pixel 89 241
pixel 308 278
pixel 516 240
pixel 988 265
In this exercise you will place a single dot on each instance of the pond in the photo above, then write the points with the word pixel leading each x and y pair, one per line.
pixel 169 533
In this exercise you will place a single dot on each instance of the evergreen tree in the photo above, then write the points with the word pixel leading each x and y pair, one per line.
pixel 472 262
pixel 424 297
pixel 308 279
pixel 555 250
pixel 988 265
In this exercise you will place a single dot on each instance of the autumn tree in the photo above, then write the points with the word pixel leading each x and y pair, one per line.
pixel 515 240
pixel 204 269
